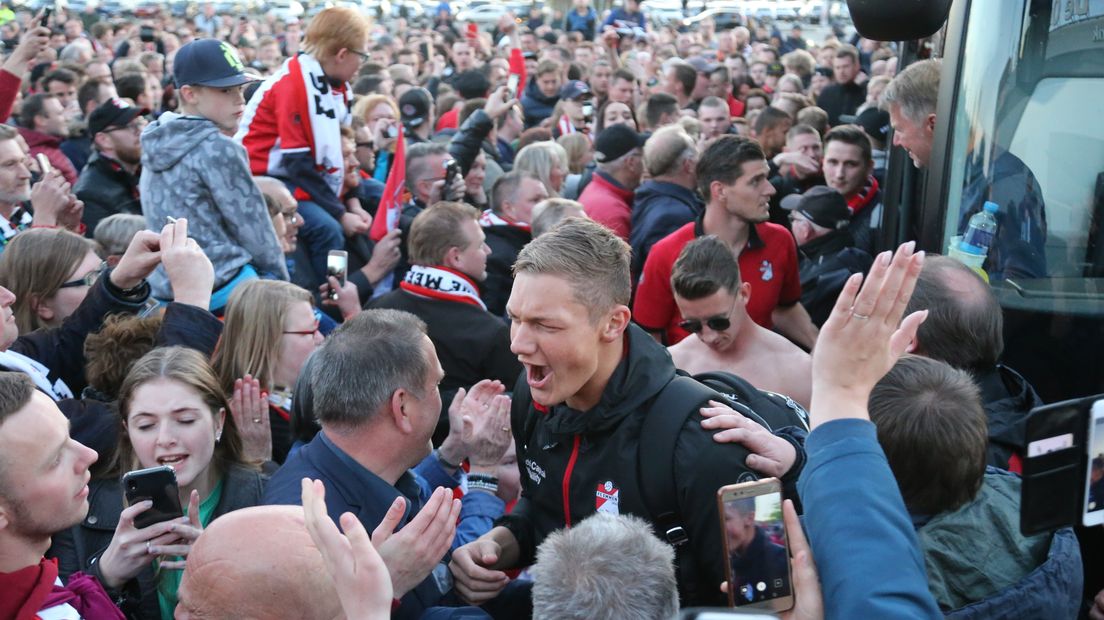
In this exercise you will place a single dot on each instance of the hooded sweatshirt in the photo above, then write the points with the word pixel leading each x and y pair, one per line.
pixel 576 463
pixel 191 170
pixel 536 104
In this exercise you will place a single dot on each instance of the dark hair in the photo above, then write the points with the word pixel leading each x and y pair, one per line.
pixel 469 108
pixel 368 84
pixel 705 266
pixel 724 160
pixel 88 92
pixel 657 106
pixel 757 92
pixel 471 84
pixel 16 389
pixel 112 351
pixel 933 430
pixel 770 117
pixel 131 85
pixel 685 75
pixel 600 116
pixel 59 75
pixel 848 51
pixel 533 134
pixel 33 106
pixel 623 74
pixel 853 135
pixel 363 362
pixel 965 325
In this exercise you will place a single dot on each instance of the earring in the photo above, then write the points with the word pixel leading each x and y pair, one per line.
pixel 218 435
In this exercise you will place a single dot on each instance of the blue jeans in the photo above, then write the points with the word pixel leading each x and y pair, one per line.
pixel 320 234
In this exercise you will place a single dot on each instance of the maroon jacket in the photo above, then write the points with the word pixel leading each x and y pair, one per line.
pixel 51 147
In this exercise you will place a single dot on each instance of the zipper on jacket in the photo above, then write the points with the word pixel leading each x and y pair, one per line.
pixel 567 481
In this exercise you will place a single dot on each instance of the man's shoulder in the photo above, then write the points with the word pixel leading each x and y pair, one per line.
pixel 667 248
pixel 284 485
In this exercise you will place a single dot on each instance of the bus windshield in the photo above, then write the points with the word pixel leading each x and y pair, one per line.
pixel 1028 136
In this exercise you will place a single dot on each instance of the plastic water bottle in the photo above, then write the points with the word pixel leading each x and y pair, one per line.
pixel 979 234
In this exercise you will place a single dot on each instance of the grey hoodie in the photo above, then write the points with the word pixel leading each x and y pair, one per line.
pixel 190 169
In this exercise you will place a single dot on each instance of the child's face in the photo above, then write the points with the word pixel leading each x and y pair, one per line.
pixel 222 106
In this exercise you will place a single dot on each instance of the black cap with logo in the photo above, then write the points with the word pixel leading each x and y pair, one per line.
pixel 821 205
pixel 615 142
pixel 209 62
pixel 113 113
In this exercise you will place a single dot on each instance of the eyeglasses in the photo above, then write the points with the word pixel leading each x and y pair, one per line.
pixel 292 218
pixel 305 332
pixel 716 323
pixel 89 278
pixel 363 55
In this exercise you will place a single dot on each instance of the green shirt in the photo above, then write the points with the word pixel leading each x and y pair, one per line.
pixel 168 581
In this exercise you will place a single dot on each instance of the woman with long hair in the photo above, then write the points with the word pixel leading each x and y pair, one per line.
pixel 50 271
pixel 548 161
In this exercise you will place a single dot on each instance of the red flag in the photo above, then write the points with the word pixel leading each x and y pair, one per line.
pixel 391 203
pixel 517 65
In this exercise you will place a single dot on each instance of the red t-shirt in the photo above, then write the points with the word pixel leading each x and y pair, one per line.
pixel 768 263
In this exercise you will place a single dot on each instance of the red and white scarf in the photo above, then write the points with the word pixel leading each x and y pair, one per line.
pixel 490 218
pixel 328 111
pixel 442 283
pixel 862 198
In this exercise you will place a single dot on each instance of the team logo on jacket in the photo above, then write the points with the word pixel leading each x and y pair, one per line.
pixel 607 498
pixel 536 472
pixel 767 271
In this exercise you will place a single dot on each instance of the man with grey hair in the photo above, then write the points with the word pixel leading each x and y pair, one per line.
pixel 608 198
pixel 606 568
pixel 376 399
pixel 425 178
pixel 992 174
pixel 667 200
pixel 550 212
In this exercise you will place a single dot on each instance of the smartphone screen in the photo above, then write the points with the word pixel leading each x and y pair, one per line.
pixel 512 85
pixel 757 556
pixel 1094 480
pixel 337 265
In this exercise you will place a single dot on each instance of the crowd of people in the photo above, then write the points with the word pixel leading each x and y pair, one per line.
pixel 444 287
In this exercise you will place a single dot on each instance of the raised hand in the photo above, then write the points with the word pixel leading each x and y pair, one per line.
pixel 411 553
pixel 359 573
pixel 249 407
pixel 190 272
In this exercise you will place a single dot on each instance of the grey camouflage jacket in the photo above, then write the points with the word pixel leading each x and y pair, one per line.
pixel 190 169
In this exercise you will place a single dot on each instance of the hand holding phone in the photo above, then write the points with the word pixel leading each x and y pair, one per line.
pixel 45 21
pixel 337 266
pixel 156 484
pixel 756 553
pixel 512 86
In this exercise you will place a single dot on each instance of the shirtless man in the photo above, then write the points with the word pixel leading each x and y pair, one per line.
pixel 713 300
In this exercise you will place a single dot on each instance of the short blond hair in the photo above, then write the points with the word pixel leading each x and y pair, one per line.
pixel 437 230
pixel 334 29
pixel 593 260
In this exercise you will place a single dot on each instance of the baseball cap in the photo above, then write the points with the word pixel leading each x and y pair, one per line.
pixel 574 89
pixel 821 205
pixel 113 113
pixel 875 123
pixel 702 64
pixel 209 62
pixel 615 142
pixel 414 106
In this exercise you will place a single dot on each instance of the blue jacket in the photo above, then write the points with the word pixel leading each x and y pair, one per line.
pixel 659 209
pixel 586 24
pixel 350 487
pixel 537 105
pixel 861 536
pixel 621 18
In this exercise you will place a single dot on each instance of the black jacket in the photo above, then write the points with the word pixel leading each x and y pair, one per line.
pixel 505 243
pixel 838 99
pixel 824 265
pixel 1007 398
pixel 79 548
pixel 659 209
pixel 599 449
pixel 471 343
pixel 469 140
pixel 61 349
pixel 106 189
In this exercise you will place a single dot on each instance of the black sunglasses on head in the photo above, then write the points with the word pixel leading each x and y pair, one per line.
pixel 717 324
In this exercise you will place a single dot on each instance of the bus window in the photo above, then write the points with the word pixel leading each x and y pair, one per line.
pixel 1027 134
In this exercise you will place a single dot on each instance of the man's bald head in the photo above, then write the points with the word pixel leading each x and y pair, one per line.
pixel 965 326
pixel 257 563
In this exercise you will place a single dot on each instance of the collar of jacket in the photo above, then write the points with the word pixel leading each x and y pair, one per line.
pixel 621 191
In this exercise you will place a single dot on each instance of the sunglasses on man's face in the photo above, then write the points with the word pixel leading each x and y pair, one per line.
pixel 717 324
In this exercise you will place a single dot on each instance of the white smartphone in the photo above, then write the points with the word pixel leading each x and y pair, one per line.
pixel 512 86
pixel 43 163
pixel 756 548
pixel 337 265
pixel 1094 477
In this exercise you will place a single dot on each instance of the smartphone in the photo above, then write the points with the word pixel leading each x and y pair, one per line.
pixel 337 265
pixel 43 163
pixel 588 111
pixel 45 21
pixel 1094 476
pixel 157 484
pixel 145 34
pixel 756 551
pixel 392 130
pixel 451 170
pixel 512 86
